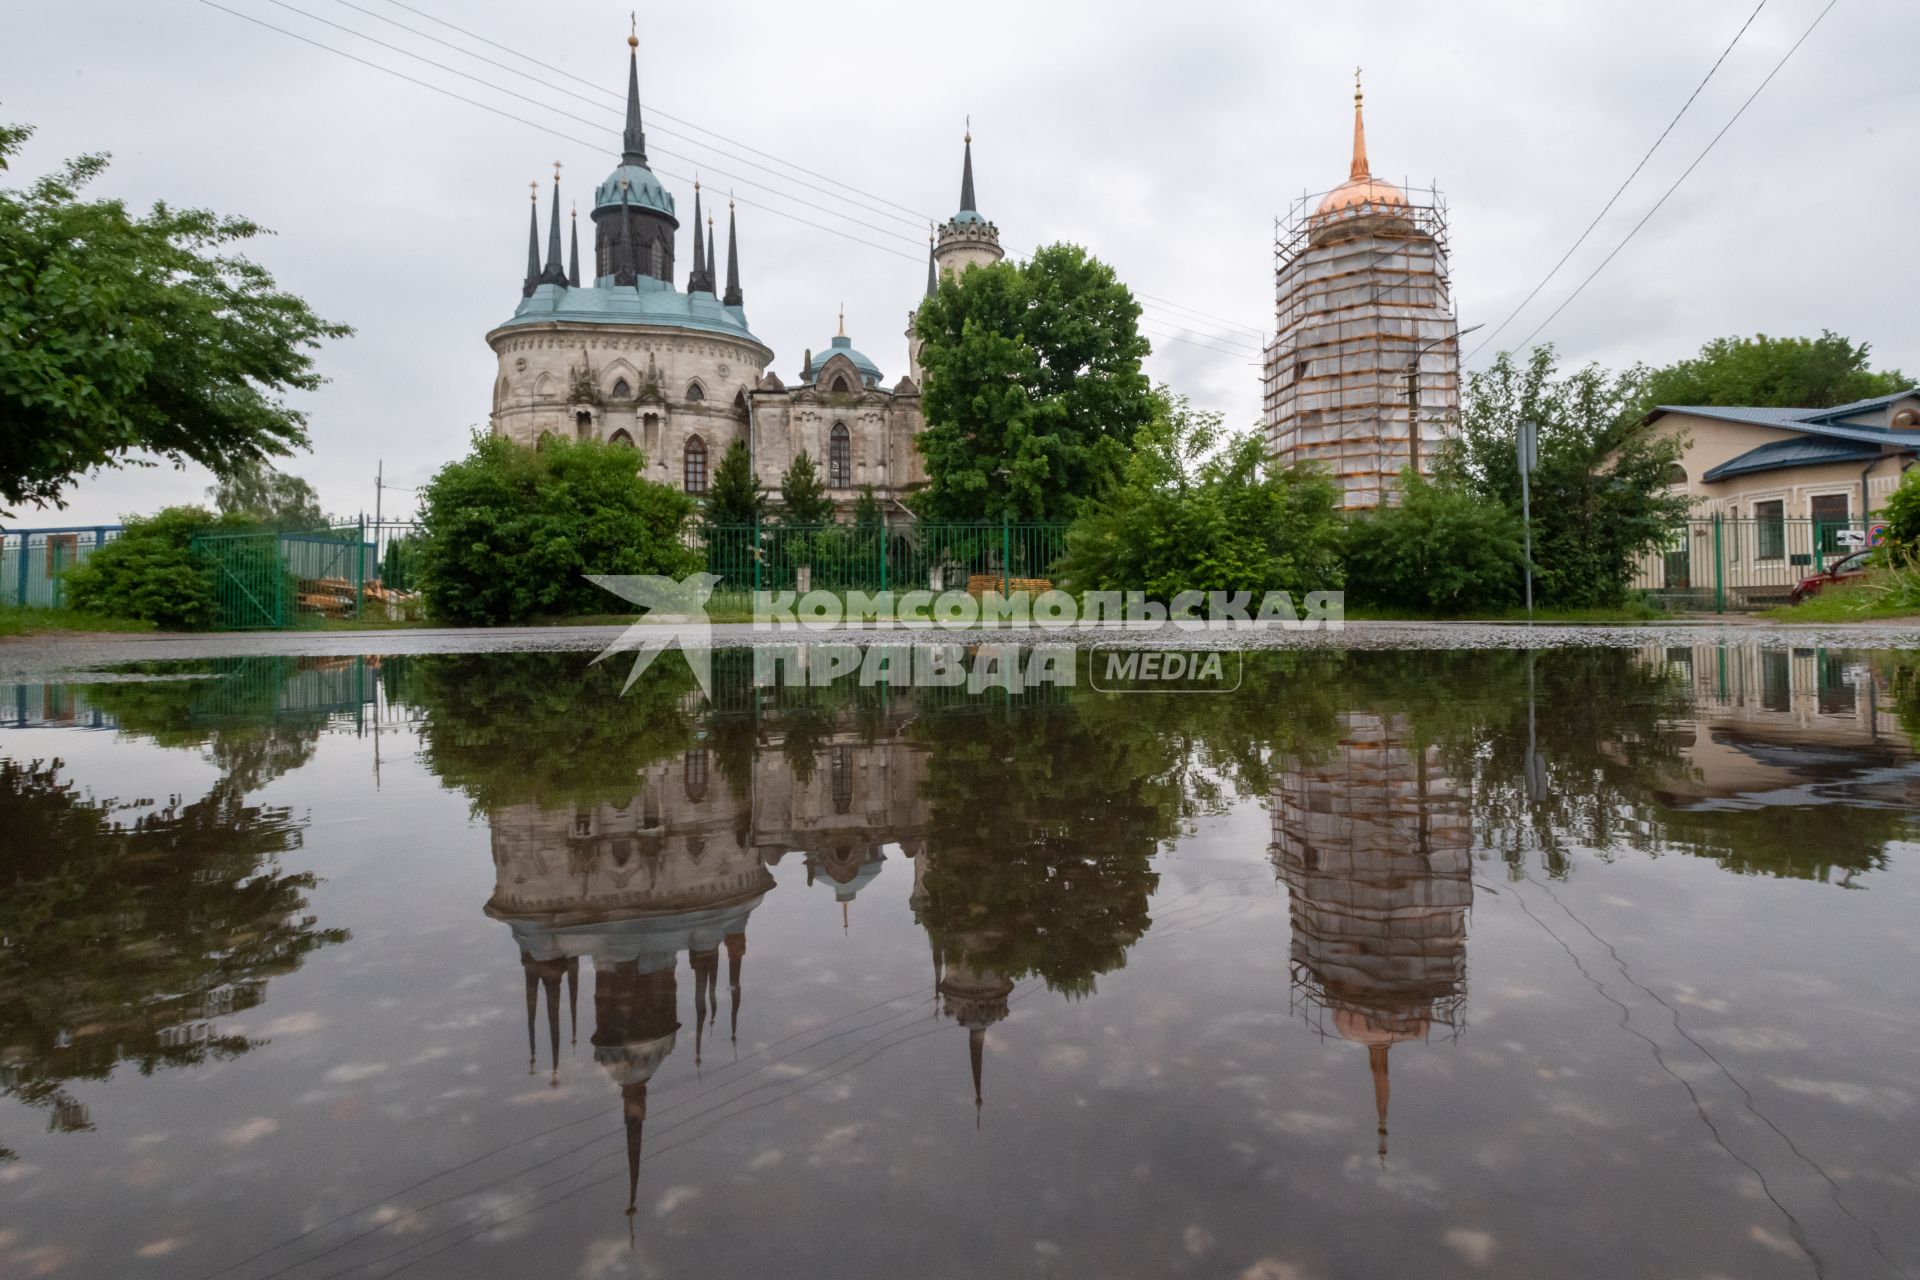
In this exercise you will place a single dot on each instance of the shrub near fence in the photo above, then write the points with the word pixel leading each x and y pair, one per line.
pixel 841 557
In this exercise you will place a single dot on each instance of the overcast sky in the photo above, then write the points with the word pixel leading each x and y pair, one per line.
pixel 1163 137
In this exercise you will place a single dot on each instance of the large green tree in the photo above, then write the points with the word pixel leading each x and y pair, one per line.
pixel 256 492
pixel 1034 388
pixel 736 496
pixel 508 533
pixel 803 498
pixel 1199 509
pixel 1813 373
pixel 1600 495
pixel 123 335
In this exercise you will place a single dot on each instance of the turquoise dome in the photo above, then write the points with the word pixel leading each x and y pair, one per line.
pixel 843 346
pixel 967 217
pixel 643 190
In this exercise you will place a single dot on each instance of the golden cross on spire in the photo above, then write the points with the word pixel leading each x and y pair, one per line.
pixel 533 192
pixel 1356 86
pixel 633 29
pixel 843 319
pixel 969 137
pixel 556 173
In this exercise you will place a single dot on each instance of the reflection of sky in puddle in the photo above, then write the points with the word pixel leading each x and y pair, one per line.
pixel 1299 983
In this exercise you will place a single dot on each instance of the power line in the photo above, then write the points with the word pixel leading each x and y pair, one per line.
pixel 1205 315
pixel 915 220
pixel 654 110
pixel 1624 185
pixel 1196 342
pixel 472 102
pixel 1683 177
pixel 513 93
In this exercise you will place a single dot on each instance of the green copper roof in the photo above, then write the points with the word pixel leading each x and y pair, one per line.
pixel 643 190
pixel 650 302
pixel 843 346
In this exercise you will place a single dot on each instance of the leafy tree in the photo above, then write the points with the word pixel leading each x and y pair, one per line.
pixel 1600 496
pixel 1033 387
pixel 1814 373
pixel 1902 511
pixel 803 498
pixel 866 511
pixel 508 533
pixel 123 334
pixel 149 572
pixel 1199 509
pixel 735 496
pixel 1443 549
pixel 254 491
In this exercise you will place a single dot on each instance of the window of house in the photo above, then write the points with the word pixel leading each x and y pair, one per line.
pixel 1676 475
pixel 1829 512
pixel 839 383
pixel 621 438
pixel 696 392
pixel 621 391
pixel 694 470
pixel 840 457
pixel 1769 530
pixel 583 424
pixel 841 777
pixel 693 775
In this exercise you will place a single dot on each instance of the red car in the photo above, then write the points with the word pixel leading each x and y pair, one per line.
pixel 1845 569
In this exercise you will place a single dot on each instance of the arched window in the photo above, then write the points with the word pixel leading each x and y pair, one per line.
pixel 740 402
pixel 695 391
pixel 693 775
pixel 500 393
pixel 840 777
pixel 694 469
pixel 1676 474
pixel 583 424
pixel 839 383
pixel 621 391
pixel 621 438
pixel 840 457
pixel 541 443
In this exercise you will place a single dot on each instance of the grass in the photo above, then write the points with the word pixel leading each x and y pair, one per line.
pixel 15 621
pixel 1882 593
pixel 1633 611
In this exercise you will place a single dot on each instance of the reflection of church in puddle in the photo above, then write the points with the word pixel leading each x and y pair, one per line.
pixel 1374 846
pixel 680 868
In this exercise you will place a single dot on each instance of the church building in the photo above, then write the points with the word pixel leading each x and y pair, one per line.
pixel 678 373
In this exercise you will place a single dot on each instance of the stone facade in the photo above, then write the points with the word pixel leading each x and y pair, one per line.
pixel 679 375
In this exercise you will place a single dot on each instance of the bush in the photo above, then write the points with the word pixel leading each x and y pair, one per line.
pixel 1902 514
pixel 1201 510
pixel 149 572
pixel 1441 550
pixel 508 533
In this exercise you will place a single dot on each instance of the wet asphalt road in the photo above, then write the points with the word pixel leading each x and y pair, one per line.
pixel 38 657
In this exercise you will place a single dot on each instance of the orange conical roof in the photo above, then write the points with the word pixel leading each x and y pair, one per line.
pixel 1361 187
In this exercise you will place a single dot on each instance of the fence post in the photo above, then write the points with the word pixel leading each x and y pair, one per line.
pixel 1006 556
pixel 21 583
pixel 883 563
pixel 1719 576
pixel 756 552
pixel 360 571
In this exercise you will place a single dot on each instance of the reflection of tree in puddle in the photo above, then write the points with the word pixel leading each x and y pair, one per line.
pixel 131 927
pixel 1374 843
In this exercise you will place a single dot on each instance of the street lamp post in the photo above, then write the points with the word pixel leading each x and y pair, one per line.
pixel 1413 393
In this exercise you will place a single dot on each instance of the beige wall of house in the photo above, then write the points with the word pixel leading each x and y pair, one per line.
pixel 1712 441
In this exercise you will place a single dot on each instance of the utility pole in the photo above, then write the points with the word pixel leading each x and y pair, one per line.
pixel 379 476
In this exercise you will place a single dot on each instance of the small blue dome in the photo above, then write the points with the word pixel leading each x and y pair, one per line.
pixel 967 217
pixel 843 346
pixel 643 190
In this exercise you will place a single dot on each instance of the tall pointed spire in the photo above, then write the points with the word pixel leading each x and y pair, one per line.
pixel 533 240
pixel 573 249
pixel 733 295
pixel 1377 1063
pixel 555 272
pixel 736 953
pixel 976 1042
pixel 1359 169
pixel 933 274
pixel 633 142
pixel 713 277
pixel 966 173
pixel 697 281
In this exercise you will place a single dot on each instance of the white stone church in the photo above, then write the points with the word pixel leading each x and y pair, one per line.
pixel 678 374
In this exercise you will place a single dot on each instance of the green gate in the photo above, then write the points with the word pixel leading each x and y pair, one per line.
pixel 252 590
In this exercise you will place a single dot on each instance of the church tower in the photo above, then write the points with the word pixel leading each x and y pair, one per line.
pixel 965 240
pixel 633 221
pixel 1364 332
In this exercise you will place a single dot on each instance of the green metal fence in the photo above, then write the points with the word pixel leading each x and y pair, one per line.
pixel 1722 564
pixel 252 589
pixel 922 556
pixel 266 580
pixel 33 561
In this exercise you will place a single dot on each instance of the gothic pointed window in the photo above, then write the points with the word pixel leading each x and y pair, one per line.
pixel 839 383
pixel 694 469
pixel 693 775
pixel 840 777
pixel 695 391
pixel 840 457
pixel 621 391
pixel 621 438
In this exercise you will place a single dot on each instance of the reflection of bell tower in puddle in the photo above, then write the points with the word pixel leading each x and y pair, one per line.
pixel 1374 846
pixel 628 887
pixel 973 996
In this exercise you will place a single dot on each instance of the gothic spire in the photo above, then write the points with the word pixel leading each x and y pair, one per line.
pixel 966 173
pixel 697 281
pixel 555 271
pixel 933 275
pixel 736 952
pixel 633 143
pixel 1377 1063
pixel 533 241
pixel 733 260
pixel 713 277
pixel 573 250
